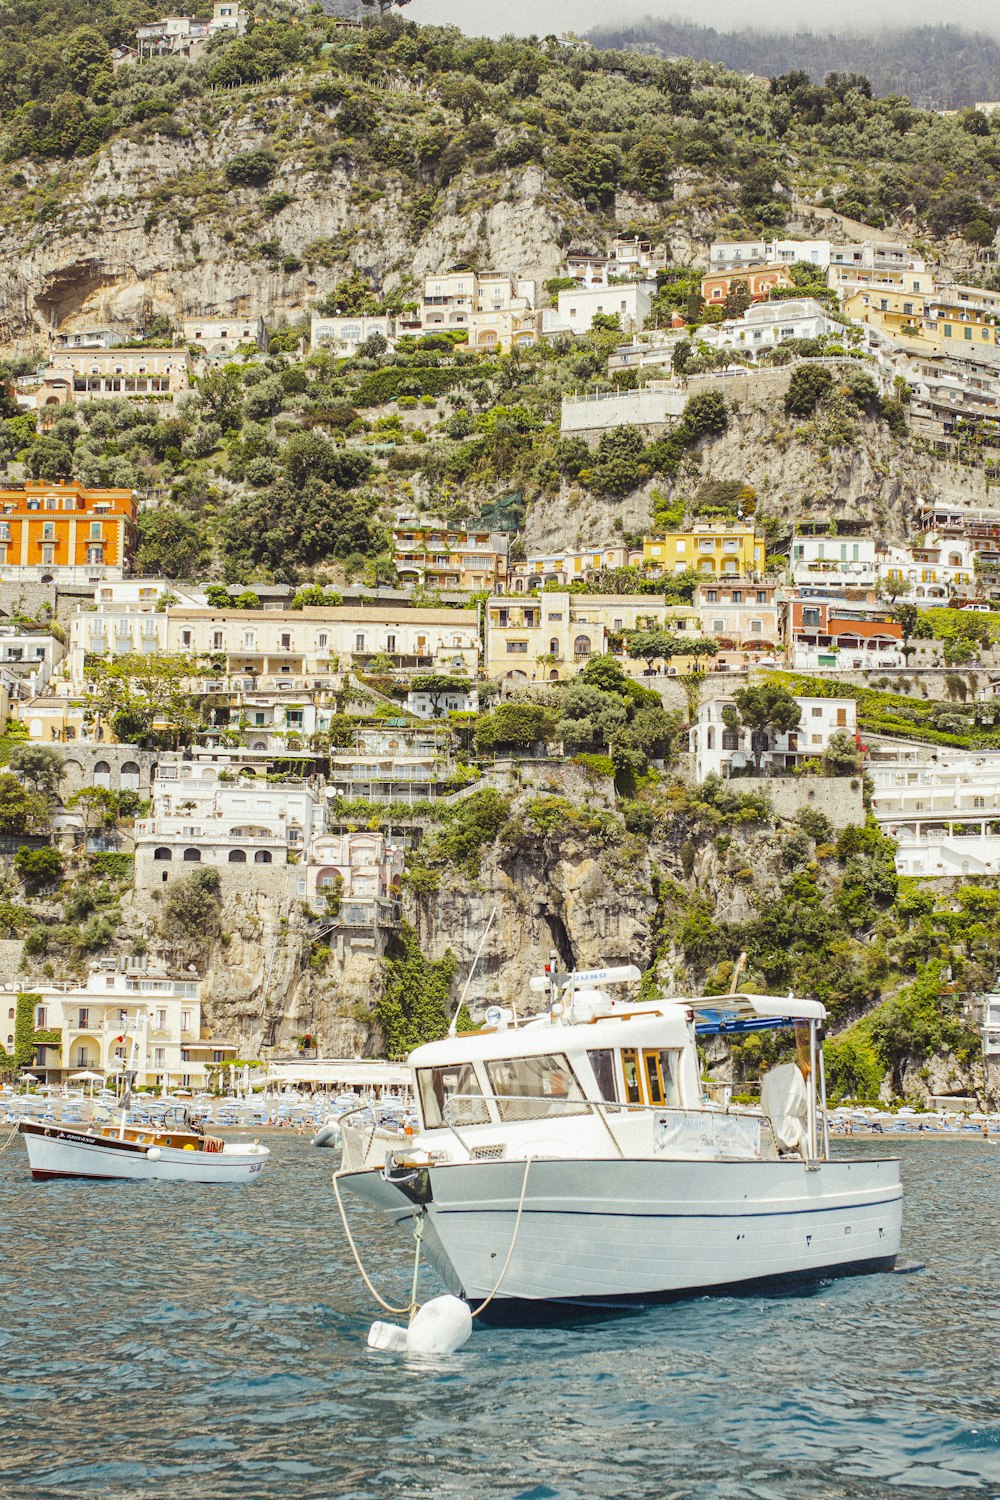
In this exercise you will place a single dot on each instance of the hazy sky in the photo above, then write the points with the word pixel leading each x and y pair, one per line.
pixel 527 17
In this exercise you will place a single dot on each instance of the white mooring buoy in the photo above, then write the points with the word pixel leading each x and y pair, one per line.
pixel 440 1327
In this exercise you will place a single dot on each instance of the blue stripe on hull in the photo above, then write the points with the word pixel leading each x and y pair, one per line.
pixel 610 1213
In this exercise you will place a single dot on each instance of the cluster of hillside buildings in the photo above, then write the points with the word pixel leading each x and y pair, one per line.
pixel 938 337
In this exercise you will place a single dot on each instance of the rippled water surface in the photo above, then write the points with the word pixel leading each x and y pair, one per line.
pixel 199 1343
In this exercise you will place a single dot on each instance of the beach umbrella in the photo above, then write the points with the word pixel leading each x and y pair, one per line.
pixel 87 1077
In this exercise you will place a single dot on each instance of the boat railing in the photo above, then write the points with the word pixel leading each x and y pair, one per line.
pixel 365 1129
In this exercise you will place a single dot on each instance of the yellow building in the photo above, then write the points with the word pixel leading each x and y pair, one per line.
pixel 548 637
pixel 945 320
pixel 568 567
pixel 63 720
pixel 717 548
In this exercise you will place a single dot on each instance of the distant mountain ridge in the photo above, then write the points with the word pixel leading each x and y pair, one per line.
pixel 936 67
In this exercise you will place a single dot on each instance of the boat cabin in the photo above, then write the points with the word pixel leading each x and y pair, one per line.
pixel 644 1056
pixel 601 1077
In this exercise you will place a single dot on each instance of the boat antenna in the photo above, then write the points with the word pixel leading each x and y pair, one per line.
pixel 461 1001
pixel 737 971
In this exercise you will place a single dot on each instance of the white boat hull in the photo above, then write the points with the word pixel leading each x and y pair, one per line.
pixel 608 1230
pixel 54 1151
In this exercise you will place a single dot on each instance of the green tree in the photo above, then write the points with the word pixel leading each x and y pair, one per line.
pixel 841 757
pixel 763 708
pixel 172 544
pixel 134 690
pixel 589 166
pixel 807 387
pixel 414 1006
pixel 617 467
pixel 704 415
pixel 906 617
pixel 437 686
pixel 98 806
pixel 738 299
pixel 39 765
pixel 316 597
pixel 654 646
pixel 250 168
pixel 513 725
pixel 21 809
pixel 464 95
pixel 192 908
pixel 894 587
pixel 38 868
pixel 48 458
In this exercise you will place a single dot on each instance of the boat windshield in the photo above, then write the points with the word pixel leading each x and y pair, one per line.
pixel 529 1087
pixel 451 1095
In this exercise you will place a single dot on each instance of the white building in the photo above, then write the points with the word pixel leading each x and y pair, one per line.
pixel 87 338
pixel 577 308
pixel 279 645
pixel 720 750
pixel 834 559
pixel 991 1025
pixel 449 301
pixel 146 594
pixel 29 655
pixel 100 1019
pixel 202 814
pixel 182 36
pixel 289 650
pixel 438 705
pixel 502 328
pixel 942 807
pixel 655 404
pixel 764 325
pixel 219 337
pixel 346 334
pixel 935 570
pixel 112 631
pixel 742 615
pixel 112 374
pixel 871 255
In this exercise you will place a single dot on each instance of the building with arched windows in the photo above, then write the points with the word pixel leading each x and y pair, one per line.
pixel 99 1020
pixel 204 814
pixel 550 636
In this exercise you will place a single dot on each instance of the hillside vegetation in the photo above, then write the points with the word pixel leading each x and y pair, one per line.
pixel 936 67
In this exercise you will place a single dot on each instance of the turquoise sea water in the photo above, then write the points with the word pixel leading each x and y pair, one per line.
pixel 198 1343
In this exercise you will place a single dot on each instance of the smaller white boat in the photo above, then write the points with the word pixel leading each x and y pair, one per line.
pixel 138 1153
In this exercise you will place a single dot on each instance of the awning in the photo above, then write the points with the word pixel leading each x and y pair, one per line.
pixel 736 1014
pixel 342 1072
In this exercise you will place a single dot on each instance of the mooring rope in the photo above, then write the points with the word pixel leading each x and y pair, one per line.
pixel 513 1239
pixel 398 1311
pixel 411 1308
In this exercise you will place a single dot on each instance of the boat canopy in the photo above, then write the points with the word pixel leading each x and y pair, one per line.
pixel 733 1015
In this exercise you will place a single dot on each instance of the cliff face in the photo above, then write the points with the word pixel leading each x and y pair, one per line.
pixel 873 478
pixel 149 227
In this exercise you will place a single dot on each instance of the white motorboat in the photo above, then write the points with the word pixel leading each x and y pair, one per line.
pixel 139 1153
pixel 576 1158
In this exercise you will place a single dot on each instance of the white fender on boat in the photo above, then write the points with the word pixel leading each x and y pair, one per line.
pixel 154 1153
pixel 440 1327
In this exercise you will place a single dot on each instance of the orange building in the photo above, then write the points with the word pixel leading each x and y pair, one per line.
pixel 715 288
pixel 63 532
